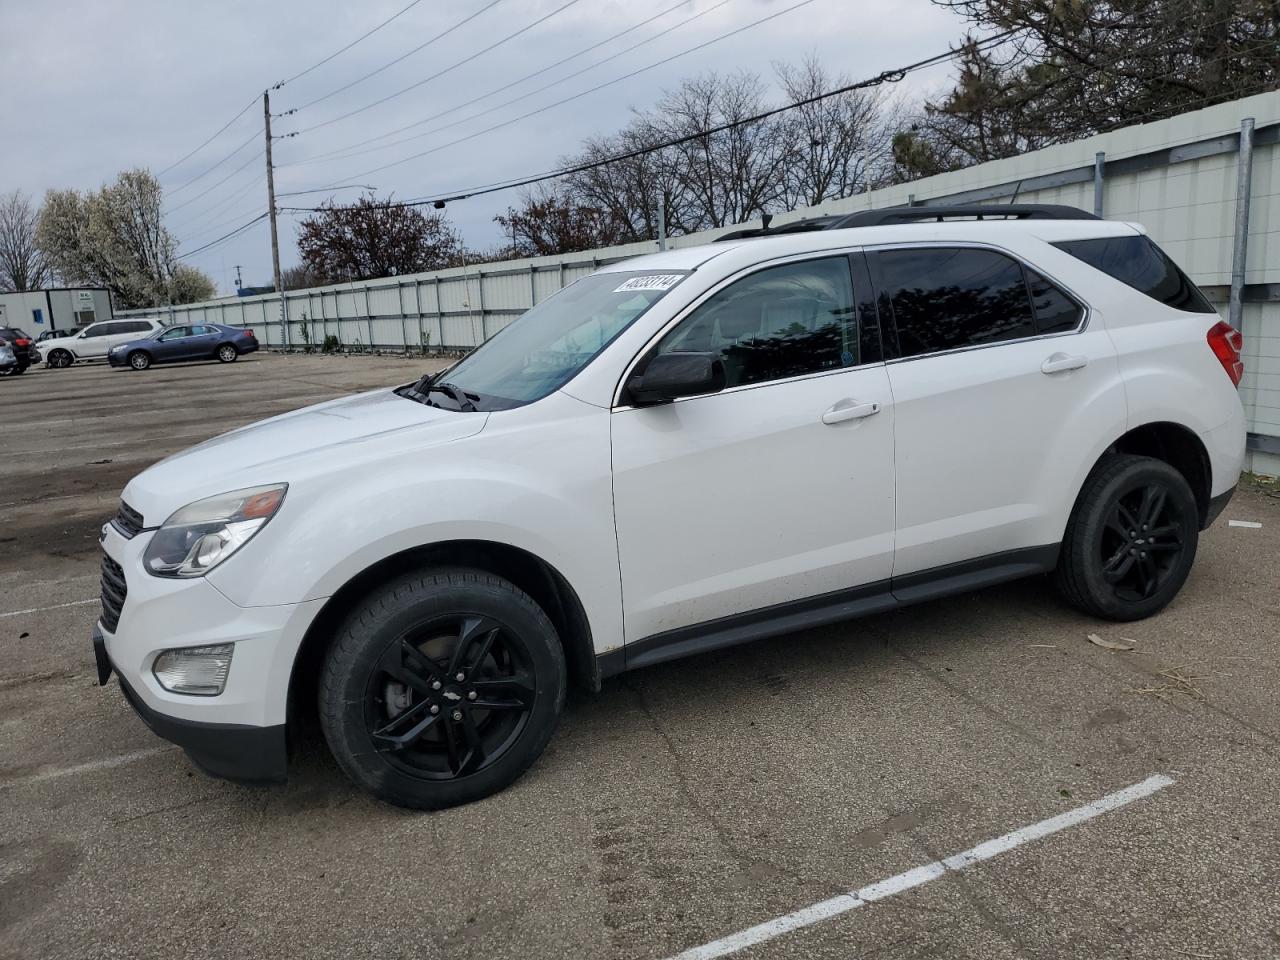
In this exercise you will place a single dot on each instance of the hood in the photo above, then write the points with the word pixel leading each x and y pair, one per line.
pixel 346 434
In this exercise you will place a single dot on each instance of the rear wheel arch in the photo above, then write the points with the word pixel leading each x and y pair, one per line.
pixel 1177 445
pixel 531 574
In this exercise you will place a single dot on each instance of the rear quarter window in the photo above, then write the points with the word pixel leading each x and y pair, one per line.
pixel 1137 262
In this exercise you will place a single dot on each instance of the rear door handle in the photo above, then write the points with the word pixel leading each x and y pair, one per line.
pixel 1061 363
pixel 848 409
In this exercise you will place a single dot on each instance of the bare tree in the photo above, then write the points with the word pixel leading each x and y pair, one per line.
pixel 550 221
pixel 375 238
pixel 840 145
pixel 22 263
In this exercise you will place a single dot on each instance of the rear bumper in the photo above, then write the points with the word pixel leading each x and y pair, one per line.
pixel 1216 506
pixel 232 751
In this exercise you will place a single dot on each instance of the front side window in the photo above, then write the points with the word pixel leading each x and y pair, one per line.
pixel 546 347
pixel 1137 262
pixel 784 321
pixel 97 330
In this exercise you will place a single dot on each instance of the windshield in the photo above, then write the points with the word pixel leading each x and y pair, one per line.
pixel 546 347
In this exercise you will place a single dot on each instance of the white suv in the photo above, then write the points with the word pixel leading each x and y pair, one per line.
pixel 678 453
pixel 95 341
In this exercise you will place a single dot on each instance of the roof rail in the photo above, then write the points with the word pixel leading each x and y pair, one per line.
pixel 890 215
pixel 1004 211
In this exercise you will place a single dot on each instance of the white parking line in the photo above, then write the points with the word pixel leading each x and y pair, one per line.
pixel 56 606
pixel 845 902
pixel 89 767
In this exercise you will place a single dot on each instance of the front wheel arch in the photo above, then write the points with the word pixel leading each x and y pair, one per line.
pixel 529 573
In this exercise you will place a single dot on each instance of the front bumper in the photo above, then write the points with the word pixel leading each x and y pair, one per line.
pixel 229 750
pixel 240 733
pixel 117 360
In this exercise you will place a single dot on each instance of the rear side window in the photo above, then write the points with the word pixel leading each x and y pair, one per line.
pixel 1055 311
pixel 1137 262
pixel 946 298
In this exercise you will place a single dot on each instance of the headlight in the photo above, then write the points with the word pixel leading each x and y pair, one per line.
pixel 201 535
pixel 198 671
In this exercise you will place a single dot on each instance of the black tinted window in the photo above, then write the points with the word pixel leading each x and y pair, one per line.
pixel 781 322
pixel 138 326
pixel 1055 311
pixel 1138 262
pixel 948 298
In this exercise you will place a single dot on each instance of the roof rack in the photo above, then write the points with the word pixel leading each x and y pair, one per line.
pixel 891 215
pixel 1004 211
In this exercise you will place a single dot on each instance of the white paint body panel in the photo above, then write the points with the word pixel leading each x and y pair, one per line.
pixel 661 518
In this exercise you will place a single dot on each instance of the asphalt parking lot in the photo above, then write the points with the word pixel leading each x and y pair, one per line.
pixel 683 804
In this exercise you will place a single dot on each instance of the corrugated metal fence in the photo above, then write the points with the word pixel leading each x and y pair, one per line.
pixel 1178 177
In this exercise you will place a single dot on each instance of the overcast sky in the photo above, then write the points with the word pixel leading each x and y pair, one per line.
pixel 94 88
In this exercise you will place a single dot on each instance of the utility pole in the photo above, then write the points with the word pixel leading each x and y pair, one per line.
pixel 271 211
pixel 239 285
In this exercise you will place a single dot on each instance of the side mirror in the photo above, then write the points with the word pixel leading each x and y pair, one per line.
pixel 670 376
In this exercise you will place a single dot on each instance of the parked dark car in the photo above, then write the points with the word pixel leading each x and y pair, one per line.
pixel 24 350
pixel 49 335
pixel 205 341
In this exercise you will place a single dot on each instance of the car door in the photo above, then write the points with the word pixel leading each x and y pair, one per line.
pixel 204 341
pixel 747 503
pixel 1001 391
pixel 94 341
pixel 173 344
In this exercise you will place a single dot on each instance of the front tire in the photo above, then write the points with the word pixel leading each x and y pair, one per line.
pixel 442 687
pixel 60 359
pixel 139 360
pixel 1131 539
pixel 227 353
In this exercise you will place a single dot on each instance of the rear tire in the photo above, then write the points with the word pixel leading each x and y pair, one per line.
pixel 139 360
pixel 1131 539
pixel 227 353
pixel 399 721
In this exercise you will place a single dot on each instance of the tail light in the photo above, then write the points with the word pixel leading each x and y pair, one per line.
pixel 250 333
pixel 23 342
pixel 1226 342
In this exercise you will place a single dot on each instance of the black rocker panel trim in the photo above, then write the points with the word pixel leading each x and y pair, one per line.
pixel 827 608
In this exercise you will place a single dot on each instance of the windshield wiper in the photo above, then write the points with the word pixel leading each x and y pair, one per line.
pixel 456 394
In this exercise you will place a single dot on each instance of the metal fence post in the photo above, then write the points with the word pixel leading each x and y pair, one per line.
pixel 533 288
pixel 484 325
pixel 368 317
pixel 1099 171
pixel 1240 244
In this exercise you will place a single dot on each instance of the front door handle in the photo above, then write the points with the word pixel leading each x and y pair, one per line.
pixel 1061 363
pixel 848 409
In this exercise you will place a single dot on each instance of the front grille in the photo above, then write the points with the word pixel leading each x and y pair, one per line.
pixel 128 521
pixel 114 591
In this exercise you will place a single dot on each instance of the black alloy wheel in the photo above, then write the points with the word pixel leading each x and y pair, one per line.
pixel 442 687
pixel 60 358
pixel 1141 544
pixel 449 698
pixel 1131 539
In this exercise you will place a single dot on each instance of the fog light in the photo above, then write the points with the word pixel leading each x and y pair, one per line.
pixel 198 671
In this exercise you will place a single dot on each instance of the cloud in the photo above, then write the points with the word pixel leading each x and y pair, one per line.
pixel 109 87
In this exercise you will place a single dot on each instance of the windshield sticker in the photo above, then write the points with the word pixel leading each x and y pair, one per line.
pixel 656 281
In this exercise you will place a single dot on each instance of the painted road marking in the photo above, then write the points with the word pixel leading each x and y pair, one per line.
pixel 815 913
pixel 56 606
pixel 90 767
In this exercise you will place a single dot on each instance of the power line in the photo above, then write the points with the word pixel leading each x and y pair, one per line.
pixel 580 95
pixel 218 207
pixel 342 152
pixel 200 176
pixel 207 190
pixel 221 239
pixel 385 66
pixel 341 50
pixel 887 76
pixel 210 140
pixel 440 73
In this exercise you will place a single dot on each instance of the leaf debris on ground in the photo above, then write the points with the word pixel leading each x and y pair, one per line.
pixel 1176 680
pixel 1124 643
